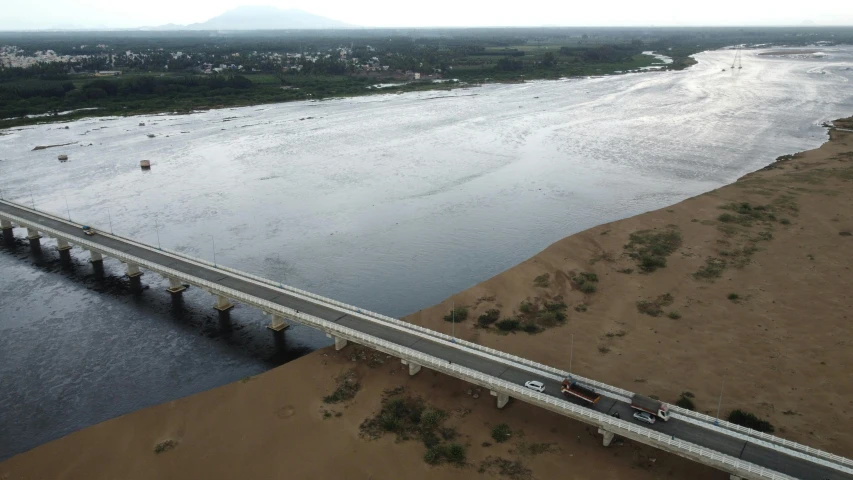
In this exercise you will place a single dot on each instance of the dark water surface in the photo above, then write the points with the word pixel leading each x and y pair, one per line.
pixel 388 202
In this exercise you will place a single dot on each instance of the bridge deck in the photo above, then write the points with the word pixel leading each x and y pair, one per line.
pixel 690 432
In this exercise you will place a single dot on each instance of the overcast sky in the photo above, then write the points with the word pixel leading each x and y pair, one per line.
pixel 16 14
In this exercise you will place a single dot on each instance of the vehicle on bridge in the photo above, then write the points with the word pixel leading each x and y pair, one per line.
pixel 650 406
pixel 535 385
pixel 572 388
pixel 645 418
pixel 88 230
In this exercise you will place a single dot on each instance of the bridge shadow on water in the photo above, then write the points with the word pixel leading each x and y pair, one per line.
pixel 77 336
pixel 191 313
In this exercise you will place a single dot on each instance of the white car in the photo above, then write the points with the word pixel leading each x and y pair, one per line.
pixel 535 385
pixel 645 417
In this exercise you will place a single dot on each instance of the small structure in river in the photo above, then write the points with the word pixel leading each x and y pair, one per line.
pixel 63 158
pixel 145 164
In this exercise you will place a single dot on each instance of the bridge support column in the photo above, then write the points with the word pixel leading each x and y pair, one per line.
pixel 134 274
pixel 176 288
pixel 734 477
pixel 607 437
pixel 501 397
pixel 34 238
pixel 340 343
pixel 64 250
pixel 277 326
pixel 95 257
pixel 224 306
pixel 413 367
pixel 8 232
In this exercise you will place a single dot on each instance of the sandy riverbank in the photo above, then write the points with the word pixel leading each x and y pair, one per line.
pixel 781 346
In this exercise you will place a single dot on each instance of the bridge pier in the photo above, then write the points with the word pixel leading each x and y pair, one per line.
pixel 734 477
pixel 277 326
pixel 413 367
pixel 134 274
pixel 176 288
pixel 8 232
pixel 34 238
pixel 340 343
pixel 502 398
pixel 607 437
pixel 224 306
pixel 95 257
pixel 64 251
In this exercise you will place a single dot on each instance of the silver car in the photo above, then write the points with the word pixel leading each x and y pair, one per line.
pixel 645 418
pixel 535 385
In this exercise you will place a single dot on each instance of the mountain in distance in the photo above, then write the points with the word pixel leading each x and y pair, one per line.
pixel 264 18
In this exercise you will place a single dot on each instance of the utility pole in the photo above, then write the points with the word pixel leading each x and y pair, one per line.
pixel 158 234
pixel 453 321
pixel 720 402
pixel 571 353
pixel 66 206
pixel 111 220
pixel 214 249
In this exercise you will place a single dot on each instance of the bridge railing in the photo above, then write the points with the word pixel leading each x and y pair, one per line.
pixel 270 306
pixel 766 437
pixel 367 313
pixel 558 405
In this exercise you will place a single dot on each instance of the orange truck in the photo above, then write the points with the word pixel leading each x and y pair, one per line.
pixel 572 388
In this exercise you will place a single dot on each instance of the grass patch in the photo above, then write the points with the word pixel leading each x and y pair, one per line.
pixel 533 317
pixel 674 315
pixel 542 281
pixel 530 328
pixel 581 307
pixel 603 349
pixel 713 268
pixel 654 308
pixel 586 282
pixel 749 420
pixel 763 236
pixel 491 316
pixel 454 453
pixel 845 233
pixel 618 334
pixel 740 257
pixel 411 418
pixel 348 386
pixel 606 256
pixel 685 400
pixel 626 271
pixel 508 325
pixel 728 230
pixel 165 446
pixel 733 297
pixel 501 433
pixel 458 314
pixel 526 449
pixel 512 469
pixel 743 213
pixel 651 247
pixel 787 203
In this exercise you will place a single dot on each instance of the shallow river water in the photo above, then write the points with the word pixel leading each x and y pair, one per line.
pixel 390 202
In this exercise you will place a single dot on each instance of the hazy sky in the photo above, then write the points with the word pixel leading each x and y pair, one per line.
pixel 16 14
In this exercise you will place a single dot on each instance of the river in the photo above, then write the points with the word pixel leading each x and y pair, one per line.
pixel 391 202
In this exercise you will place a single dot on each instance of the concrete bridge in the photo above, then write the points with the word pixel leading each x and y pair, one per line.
pixel 739 451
